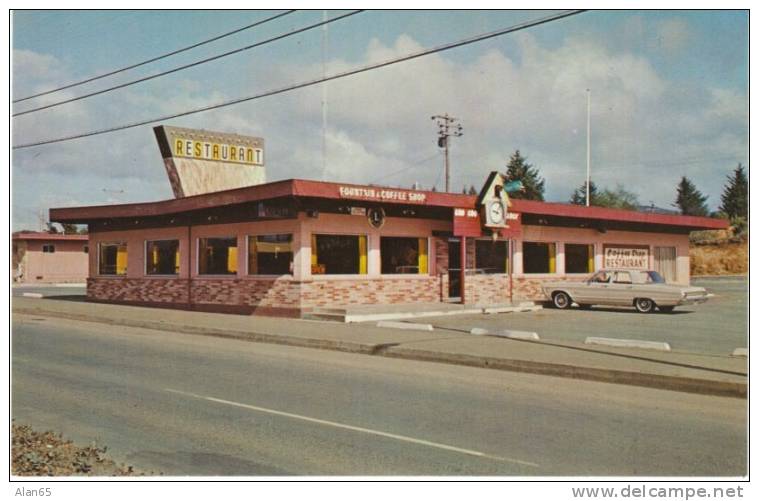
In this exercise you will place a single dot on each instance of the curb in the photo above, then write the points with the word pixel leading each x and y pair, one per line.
pixel 740 352
pixel 35 295
pixel 661 382
pixel 407 326
pixel 530 336
pixel 628 343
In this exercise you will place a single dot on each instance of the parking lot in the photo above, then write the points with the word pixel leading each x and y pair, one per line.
pixel 716 327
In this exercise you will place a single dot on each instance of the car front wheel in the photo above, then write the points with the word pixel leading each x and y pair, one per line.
pixel 644 305
pixel 561 300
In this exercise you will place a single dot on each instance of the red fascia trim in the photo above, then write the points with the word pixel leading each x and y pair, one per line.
pixel 602 213
pixel 329 190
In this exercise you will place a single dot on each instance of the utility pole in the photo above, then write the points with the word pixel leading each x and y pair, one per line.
pixel 447 127
pixel 587 148
pixel 325 51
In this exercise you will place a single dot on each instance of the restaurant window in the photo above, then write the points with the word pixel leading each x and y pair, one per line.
pixel 539 257
pixel 403 255
pixel 491 256
pixel 162 257
pixel 217 256
pixel 270 254
pixel 338 254
pixel 112 259
pixel 578 258
pixel 48 248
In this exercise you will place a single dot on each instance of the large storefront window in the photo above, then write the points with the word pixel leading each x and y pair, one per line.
pixel 539 257
pixel 578 258
pixel 491 256
pixel 403 255
pixel 270 254
pixel 162 257
pixel 338 254
pixel 217 256
pixel 112 259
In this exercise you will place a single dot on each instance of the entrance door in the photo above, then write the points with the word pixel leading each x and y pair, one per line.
pixel 665 262
pixel 454 268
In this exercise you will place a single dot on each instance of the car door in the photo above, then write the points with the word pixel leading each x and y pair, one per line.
pixel 621 288
pixel 595 291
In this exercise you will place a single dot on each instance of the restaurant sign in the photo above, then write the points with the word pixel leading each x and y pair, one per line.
pixel 382 194
pixel 201 161
pixel 626 257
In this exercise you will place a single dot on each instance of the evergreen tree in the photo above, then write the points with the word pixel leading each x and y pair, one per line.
pixel 735 195
pixel 578 197
pixel 472 190
pixel 519 170
pixel 690 201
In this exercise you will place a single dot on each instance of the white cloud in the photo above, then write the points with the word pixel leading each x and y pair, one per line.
pixel 379 122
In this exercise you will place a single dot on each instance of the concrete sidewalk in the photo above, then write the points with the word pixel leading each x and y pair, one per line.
pixel 714 375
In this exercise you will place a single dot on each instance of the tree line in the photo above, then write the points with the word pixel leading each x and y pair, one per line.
pixel 689 200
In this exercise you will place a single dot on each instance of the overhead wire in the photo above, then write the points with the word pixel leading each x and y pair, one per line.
pixel 156 58
pixel 362 69
pixel 186 66
pixel 404 169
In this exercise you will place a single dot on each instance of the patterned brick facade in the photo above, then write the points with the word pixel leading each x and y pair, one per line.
pixel 487 289
pixel 377 291
pixel 273 294
pixel 152 290
pixel 276 293
pixel 529 288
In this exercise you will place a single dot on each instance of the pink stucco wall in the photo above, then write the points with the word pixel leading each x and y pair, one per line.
pixel 590 236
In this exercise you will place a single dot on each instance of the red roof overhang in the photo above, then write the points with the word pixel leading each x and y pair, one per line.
pixel 617 215
pixel 299 188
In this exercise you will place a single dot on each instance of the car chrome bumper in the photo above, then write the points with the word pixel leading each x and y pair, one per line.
pixel 695 299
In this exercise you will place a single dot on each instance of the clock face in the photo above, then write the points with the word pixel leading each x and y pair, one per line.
pixel 496 212
pixel 376 217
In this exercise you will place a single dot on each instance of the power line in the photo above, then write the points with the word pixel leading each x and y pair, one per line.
pixel 467 41
pixel 157 58
pixel 404 169
pixel 186 66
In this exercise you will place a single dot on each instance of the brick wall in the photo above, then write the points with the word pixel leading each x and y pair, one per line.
pixel 274 293
pixel 377 291
pixel 441 254
pixel 529 288
pixel 153 290
pixel 486 289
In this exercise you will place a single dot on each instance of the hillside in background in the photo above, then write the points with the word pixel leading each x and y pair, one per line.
pixel 718 253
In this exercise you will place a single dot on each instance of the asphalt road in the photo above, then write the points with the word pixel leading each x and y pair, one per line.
pixel 716 327
pixel 195 405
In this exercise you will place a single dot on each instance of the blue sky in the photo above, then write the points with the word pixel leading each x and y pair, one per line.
pixel 669 98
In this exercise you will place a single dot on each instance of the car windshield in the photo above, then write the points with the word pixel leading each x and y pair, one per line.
pixel 654 277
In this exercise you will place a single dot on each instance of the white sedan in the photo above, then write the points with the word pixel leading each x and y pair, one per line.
pixel 645 290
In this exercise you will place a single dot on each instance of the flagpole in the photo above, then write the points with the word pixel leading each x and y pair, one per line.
pixel 587 148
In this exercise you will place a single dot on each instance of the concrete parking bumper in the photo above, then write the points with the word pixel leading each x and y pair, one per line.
pixel 724 376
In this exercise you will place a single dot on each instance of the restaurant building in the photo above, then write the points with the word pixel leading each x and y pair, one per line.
pixel 291 246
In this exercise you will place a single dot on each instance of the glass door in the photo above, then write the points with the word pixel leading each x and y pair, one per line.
pixel 454 268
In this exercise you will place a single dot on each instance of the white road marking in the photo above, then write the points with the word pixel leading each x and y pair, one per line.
pixel 334 424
